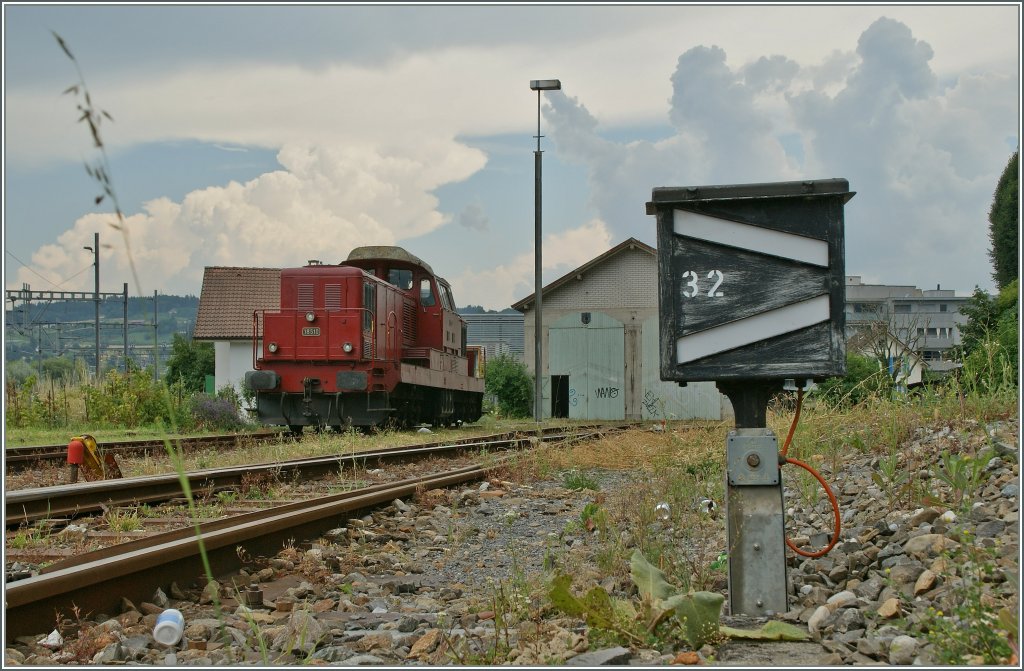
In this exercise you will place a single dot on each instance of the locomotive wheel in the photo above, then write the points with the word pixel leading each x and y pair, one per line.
pixel 295 429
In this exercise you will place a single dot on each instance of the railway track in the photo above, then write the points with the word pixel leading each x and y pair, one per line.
pixel 65 502
pixel 16 458
pixel 133 570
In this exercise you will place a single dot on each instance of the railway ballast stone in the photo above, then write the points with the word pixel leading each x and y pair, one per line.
pixel 415 583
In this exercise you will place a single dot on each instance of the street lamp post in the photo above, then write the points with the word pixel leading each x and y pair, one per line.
pixel 538 85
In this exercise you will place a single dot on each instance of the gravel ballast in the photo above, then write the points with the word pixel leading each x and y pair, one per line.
pixel 434 580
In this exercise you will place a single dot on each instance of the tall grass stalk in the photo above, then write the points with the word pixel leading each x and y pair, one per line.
pixel 101 172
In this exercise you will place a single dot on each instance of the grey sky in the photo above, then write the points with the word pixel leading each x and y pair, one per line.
pixel 267 135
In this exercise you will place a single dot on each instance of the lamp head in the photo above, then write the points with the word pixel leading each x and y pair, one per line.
pixel 545 84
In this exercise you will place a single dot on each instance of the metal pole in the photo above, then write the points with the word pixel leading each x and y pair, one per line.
pixel 124 328
pixel 755 517
pixel 156 342
pixel 96 265
pixel 538 410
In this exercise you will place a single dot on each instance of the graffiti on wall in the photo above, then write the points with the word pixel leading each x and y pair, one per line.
pixel 651 403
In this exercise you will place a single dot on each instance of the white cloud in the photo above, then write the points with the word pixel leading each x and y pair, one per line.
pixel 499 287
pixel 923 159
pixel 326 201
pixel 363 148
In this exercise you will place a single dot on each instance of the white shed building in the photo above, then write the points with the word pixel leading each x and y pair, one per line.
pixel 229 298
pixel 600 344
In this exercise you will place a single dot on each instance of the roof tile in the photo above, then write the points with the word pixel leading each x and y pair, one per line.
pixel 229 298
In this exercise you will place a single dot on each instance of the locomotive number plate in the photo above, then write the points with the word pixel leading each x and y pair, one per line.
pixel 311 331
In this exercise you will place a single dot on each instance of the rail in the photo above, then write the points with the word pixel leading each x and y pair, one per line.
pixel 27 455
pixel 102 579
pixel 133 570
pixel 68 501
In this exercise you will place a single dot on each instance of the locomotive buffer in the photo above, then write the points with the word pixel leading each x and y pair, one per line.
pixel 751 293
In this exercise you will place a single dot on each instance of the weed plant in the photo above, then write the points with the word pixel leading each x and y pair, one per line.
pixel 685 462
pixel 122 520
pixel 978 627
pixel 576 480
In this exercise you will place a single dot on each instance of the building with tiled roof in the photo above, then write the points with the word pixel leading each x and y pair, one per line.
pixel 229 298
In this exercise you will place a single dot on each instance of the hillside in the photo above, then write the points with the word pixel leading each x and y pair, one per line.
pixel 67 328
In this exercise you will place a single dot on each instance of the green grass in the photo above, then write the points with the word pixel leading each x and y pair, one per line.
pixel 577 480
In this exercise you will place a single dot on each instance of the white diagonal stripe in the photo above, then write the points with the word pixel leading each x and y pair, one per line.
pixel 754 238
pixel 752 329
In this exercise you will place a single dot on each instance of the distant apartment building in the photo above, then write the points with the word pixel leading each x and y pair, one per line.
pixel 926 322
pixel 498 333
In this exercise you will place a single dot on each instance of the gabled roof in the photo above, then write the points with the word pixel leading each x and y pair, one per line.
pixel 631 243
pixel 229 297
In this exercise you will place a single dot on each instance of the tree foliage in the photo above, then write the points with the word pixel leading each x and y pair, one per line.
pixel 865 377
pixel 508 380
pixel 190 362
pixel 1004 225
pixel 990 338
pixel 58 368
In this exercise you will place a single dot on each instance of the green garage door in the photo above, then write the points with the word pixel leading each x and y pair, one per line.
pixel 587 348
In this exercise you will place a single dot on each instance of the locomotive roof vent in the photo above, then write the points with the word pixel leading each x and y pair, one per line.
pixel 314 262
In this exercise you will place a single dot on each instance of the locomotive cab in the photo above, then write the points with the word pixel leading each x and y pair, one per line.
pixel 433 322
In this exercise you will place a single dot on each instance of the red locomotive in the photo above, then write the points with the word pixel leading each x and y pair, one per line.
pixel 371 341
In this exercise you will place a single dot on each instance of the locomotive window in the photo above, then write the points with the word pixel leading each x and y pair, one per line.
pixel 446 296
pixel 369 303
pixel 400 278
pixel 426 293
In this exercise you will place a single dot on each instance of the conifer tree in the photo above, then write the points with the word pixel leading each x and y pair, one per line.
pixel 1004 226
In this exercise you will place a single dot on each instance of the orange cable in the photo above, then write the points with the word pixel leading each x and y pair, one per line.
pixel 796 418
pixel 835 510
pixel 783 459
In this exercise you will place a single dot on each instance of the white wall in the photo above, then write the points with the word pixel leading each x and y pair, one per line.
pixel 232 360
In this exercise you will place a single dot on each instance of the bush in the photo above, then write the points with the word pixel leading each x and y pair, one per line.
pixel 190 362
pixel 215 413
pixel 24 407
pixel 864 379
pixel 132 399
pixel 507 379
pixel 990 346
